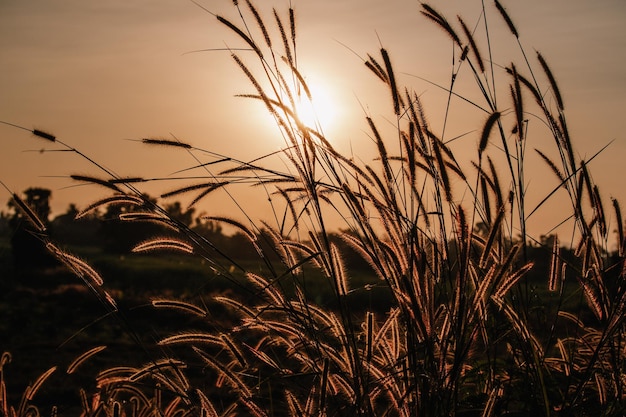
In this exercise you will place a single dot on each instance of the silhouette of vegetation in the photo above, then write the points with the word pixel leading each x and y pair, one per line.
pixel 459 311
pixel 27 246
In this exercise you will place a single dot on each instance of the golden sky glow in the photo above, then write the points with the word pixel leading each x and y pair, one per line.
pixel 97 73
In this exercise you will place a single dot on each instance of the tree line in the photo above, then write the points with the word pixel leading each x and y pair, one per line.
pixel 105 230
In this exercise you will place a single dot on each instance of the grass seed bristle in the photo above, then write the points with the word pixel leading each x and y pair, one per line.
pixel 506 18
pixel 31 216
pixel 93 180
pixel 473 45
pixel 553 84
pixel 283 36
pixel 260 23
pixel 82 358
pixel 242 35
pixel 44 135
pixel 166 142
pixel 180 305
pixel 163 244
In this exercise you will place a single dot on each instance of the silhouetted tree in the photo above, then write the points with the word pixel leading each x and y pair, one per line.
pixel 176 211
pixel 4 224
pixel 84 231
pixel 120 236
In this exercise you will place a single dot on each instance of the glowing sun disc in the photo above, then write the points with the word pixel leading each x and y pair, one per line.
pixel 320 112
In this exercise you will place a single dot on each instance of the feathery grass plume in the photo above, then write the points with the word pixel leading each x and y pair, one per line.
pixel 442 170
pixel 123 199
pixel 490 406
pixel 530 86
pixel 484 137
pixel 593 300
pixel 301 81
pixel 180 305
pixel 232 222
pixel 84 401
pixel 81 268
pixel 339 270
pixel 155 218
pixel 266 359
pixel 496 183
pixel 506 18
pixel 210 186
pixel 32 389
pixel 620 227
pixel 599 209
pixel 163 243
pixel 283 36
pixel 98 181
pixel 31 216
pixel 472 42
pixel 564 356
pixel 324 386
pixel 4 404
pixel 588 183
pixel 508 261
pixel 157 367
pixel 552 166
pixel 601 388
pixel 166 142
pixel 260 23
pixel 369 335
pixel 518 103
pixel 491 239
pixel 234 350
pixel 555 266
pixel 292 26
pixel 127 180
pixel 382 153
pixel 481 294
pixel 392 82
pixel 295 408
pixel 82 358
pixel 44 135
pixel 566 139
pixel 267 287
pixel 236 305
pixel 208 410
pixel 464 53
pixel 436 17
pixel 191 338
pixel 553 84
pixel 233 379
pixel 240 33
pixel 255 84
pixel 485 199
pixel 375 67
pixel 254 409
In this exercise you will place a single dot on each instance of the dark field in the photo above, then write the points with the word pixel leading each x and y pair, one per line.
pixel 50 317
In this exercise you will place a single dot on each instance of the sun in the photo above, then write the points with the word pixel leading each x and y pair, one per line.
pixel 321 111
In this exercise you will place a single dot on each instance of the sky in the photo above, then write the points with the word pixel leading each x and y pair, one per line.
pixel 100 75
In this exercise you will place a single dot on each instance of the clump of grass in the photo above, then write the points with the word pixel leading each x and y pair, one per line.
pixel 462 335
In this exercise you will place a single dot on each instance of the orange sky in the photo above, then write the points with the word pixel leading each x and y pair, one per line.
pixel 97 73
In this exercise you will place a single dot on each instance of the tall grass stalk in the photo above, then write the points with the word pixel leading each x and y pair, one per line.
pixel 462 335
